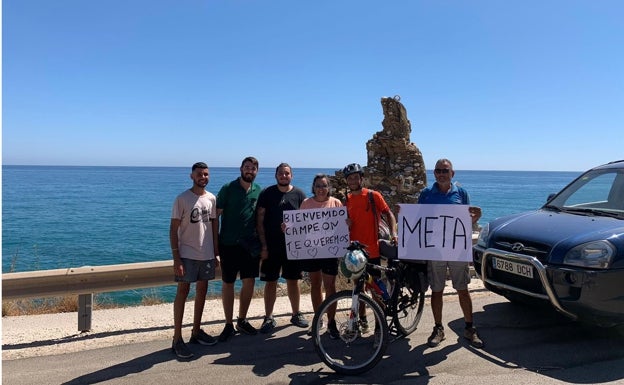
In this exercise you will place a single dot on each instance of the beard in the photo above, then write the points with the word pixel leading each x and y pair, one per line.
pixel 248 177
pixel 201 184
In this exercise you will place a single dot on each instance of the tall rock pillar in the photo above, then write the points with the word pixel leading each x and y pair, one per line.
pixel 395 165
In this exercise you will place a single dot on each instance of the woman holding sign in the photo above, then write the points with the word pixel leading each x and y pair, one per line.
pixel 322 271
pixel 444 191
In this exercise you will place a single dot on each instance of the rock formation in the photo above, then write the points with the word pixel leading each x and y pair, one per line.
pixel 395 165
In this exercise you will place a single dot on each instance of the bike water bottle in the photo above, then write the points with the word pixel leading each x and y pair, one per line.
pixel 384 290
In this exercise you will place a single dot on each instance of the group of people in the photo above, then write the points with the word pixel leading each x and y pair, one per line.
pixel 240 230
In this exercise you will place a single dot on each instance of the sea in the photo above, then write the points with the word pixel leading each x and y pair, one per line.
pixel 72 216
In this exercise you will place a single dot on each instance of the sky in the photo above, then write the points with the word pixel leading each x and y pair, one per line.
pixel 491 85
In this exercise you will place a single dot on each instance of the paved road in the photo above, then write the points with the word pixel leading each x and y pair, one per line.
pixel 523 346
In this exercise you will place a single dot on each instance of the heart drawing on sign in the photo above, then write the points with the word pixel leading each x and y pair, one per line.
pixel 312 252
pixel 333 249
pixel 295 253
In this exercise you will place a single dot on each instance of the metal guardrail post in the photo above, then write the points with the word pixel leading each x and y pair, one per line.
pixel 85 312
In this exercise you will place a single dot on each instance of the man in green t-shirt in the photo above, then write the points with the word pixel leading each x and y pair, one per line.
pixel 239 247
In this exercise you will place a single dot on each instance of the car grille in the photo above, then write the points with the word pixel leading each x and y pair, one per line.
pixel 536 250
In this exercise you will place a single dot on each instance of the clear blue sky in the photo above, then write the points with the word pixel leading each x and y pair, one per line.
pixel 492 85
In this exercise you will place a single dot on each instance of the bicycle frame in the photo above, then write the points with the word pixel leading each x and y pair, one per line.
pixel 366 284
pixel 353 348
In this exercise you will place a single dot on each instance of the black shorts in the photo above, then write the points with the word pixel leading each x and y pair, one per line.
pixel 235 260
pixel 270 268
pixel 328 266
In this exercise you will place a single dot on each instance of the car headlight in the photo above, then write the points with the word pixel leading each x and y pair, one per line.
pixel 484 235
pixel 596 255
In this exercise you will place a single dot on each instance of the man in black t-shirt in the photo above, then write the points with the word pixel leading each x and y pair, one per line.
pixel 272 203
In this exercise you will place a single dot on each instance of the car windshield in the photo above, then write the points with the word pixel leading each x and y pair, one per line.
pixel 597 192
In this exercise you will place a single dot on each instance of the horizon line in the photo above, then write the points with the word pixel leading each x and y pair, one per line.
pixel 312 168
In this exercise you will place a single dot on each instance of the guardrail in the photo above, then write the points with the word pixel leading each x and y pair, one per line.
pixel 85 281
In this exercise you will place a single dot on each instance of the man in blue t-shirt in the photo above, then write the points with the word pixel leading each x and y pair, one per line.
pixel 444 191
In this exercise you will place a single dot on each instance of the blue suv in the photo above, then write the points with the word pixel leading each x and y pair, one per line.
pixel 570 252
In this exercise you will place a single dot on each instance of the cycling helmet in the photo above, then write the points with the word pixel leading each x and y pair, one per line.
pixel 352 265
pixel 352 169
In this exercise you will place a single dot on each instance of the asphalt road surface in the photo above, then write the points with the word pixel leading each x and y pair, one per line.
pixel 523 345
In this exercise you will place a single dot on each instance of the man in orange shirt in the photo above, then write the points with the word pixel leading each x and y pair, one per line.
pixel 363 224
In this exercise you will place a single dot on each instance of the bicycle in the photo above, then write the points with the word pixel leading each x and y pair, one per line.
pixel 394 312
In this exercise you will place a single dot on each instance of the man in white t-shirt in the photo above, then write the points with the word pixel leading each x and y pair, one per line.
pixel 193 235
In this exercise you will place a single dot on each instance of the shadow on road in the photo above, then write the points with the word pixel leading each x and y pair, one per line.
pixel 123 369
pixel 293 349
pixel 543 341
pixel 516 337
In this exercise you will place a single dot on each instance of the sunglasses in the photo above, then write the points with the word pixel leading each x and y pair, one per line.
pixel 321 186
pixel 442 170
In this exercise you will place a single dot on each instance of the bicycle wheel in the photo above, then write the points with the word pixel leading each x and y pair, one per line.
pixel 357 349
pixel 409 303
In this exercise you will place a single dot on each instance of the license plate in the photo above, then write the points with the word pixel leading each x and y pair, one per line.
pixel 513 267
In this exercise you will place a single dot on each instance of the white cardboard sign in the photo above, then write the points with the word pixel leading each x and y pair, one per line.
pixel 316 233
pixel 437 232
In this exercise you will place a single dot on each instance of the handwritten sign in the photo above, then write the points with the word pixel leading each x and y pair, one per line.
pixel 435 232
pixel 316 233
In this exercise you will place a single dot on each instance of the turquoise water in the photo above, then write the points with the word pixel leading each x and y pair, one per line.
pixel 58 217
